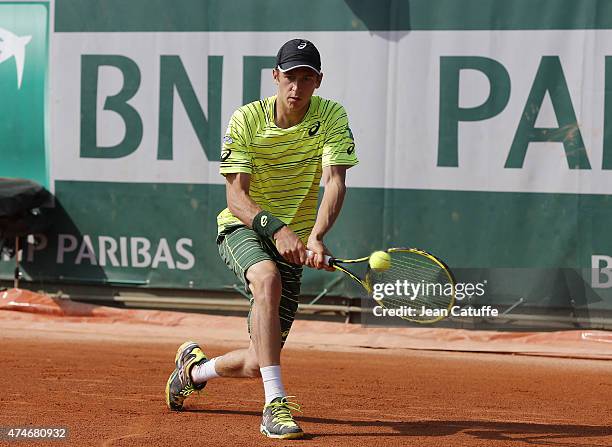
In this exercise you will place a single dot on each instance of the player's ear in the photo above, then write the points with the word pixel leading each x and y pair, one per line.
pixel 319 79
pixel 275 74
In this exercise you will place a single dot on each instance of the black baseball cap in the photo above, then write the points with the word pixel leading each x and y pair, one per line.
pixel 298 53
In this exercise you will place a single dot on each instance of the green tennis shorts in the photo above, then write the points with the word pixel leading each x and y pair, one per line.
pixel 240 248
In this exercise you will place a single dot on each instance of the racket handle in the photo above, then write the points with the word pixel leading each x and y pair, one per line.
pixel 326 258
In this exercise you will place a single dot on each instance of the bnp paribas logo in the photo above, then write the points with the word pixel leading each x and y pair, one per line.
pixel 14 47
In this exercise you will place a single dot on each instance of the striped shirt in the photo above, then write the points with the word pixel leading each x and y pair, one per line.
pixel 286 164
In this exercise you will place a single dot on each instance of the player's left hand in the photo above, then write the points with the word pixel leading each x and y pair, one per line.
pixel 319 250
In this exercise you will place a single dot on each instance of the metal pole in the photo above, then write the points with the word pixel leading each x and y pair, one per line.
pixel 17 273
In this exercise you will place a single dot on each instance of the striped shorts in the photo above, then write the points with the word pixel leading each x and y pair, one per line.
pixel 240 248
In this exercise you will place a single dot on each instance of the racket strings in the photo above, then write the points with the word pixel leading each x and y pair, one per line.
pixel 417 269
pixel 405 270
pixel 414 277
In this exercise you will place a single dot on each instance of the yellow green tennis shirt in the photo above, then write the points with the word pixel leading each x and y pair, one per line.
pixel 286 164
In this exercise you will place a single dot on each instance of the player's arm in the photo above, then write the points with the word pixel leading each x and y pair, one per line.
pixel 338 156
pixel 246 209
pixel 239 201
pixel 335 189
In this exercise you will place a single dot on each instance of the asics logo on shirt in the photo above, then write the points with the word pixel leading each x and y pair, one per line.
pixel 314 129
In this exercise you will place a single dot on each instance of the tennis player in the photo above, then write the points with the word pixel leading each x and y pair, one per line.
pixel 274 154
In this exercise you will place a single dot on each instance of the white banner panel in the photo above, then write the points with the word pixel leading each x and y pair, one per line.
pixel 389 83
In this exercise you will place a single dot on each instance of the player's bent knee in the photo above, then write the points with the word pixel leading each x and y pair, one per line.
pixel 265 281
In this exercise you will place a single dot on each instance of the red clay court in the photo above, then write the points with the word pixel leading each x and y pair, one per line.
pixel 101 373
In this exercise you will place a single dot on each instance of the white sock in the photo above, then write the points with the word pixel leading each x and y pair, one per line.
pixel 273 383
pixel 204 371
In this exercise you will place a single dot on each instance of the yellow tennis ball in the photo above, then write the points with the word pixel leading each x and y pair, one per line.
pixel 380 261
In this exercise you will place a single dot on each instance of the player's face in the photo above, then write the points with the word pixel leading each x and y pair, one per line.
pixel 295 87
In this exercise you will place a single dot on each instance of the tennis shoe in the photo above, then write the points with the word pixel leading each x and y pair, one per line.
pixel 180 385
pixel 277 421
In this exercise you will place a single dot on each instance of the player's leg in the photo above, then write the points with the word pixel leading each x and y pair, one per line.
pixel 264 283
pixel 238 363
pixel 244 362
pixel 277 420
pixel 274 288
pixel 240 249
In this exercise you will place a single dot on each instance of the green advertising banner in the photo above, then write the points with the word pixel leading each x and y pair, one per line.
pixel 24 29
pixel 483 130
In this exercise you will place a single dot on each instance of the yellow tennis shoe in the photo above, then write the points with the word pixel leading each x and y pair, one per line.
pixel 180 385
pixel 277 421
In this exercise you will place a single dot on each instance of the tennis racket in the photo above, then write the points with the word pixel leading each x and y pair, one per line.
pixel 426 284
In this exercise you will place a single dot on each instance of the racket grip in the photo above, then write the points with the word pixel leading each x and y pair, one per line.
pixel 326 258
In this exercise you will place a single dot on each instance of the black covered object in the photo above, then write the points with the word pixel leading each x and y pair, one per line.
pixel 20 195
pixel 20 213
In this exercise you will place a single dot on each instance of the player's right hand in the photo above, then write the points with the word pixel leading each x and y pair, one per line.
pixel 290 246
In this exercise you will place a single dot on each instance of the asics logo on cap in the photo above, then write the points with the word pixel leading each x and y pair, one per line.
pixel 298 53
